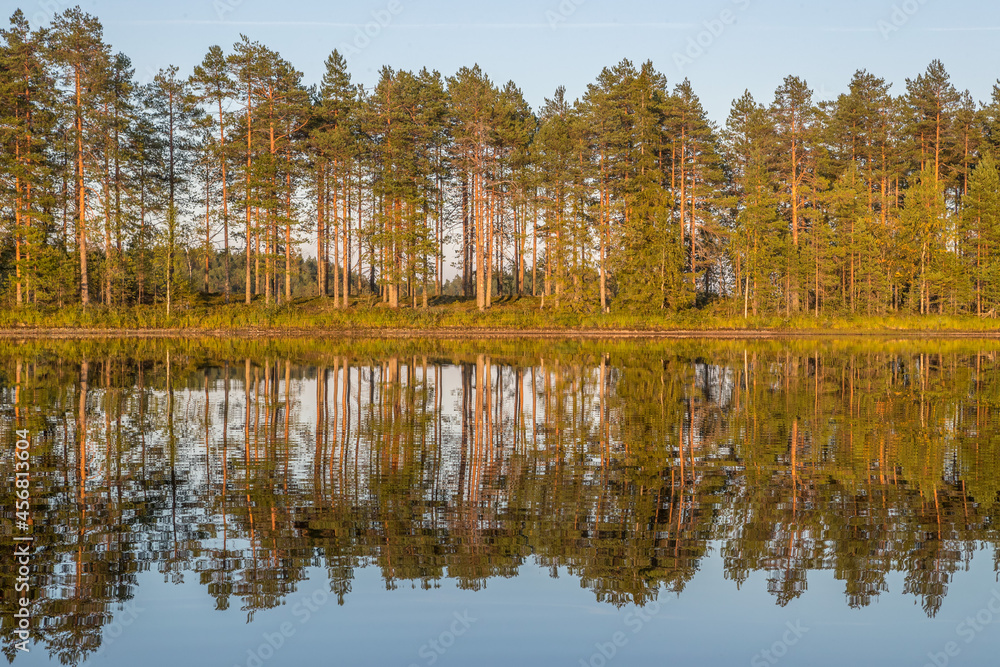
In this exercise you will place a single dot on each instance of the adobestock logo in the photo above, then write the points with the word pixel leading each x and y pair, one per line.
pixel 900 16
pixel 303 609
pixel 699 44
pixel 635 620
pixel 565 9
pixel 364 35
pixel 223 7
pixel 779 649
pixel 49 10
pixel 968 630
pixel 432 651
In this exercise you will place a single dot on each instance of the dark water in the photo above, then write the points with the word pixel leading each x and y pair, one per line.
pixel 374 503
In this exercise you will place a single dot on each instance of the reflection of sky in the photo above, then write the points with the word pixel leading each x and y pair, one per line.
pixel 196 442
pixel 823 42
pixel 535 619
pixel 532 619
pixel 191 433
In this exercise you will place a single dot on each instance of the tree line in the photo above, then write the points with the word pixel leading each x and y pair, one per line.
pixel 234 178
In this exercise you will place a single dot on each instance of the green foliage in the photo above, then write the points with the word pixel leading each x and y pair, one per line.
pixel 627 199
pixel 981 234
pixel 456 316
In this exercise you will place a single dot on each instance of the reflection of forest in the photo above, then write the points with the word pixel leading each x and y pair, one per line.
pixel 245 464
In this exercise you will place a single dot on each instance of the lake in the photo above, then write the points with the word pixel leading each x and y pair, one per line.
pixel 254 503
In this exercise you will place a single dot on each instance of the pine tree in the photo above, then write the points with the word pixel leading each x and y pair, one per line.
pixel 860 134
pixel 513 130
pixel 932 103
pixel 245 71
pixel 923 221
pixel 473 98
pixel 335 138
pixel 759 238
pixel 81 59
pixel 989 120
pixel 851 220
pixel 283 112
pixel 555 153
pixel 698 178
pixel 214 86
pixel 606 106
pixel 650 248
pixel 173 115
pixel 626 198
pixel 967 139
pixel 795 118
pixel 435 114
pixel 982 230
pixel 25 124
pixel 118 110
pixel 431 115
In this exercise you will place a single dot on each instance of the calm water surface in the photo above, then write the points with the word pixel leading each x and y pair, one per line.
pixel 252 504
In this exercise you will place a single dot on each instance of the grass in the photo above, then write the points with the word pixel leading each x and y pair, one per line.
pixel 451 313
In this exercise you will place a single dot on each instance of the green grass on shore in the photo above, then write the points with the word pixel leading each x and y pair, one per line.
pixel 450 313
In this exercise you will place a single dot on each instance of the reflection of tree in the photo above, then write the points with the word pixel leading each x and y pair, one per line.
pixel 619 464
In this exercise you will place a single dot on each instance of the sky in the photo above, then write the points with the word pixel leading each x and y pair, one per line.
pixel 723 46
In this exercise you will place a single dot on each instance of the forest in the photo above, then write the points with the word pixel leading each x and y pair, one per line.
pixel 242 181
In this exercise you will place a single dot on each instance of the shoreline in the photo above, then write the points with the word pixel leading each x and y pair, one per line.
pixel 485 333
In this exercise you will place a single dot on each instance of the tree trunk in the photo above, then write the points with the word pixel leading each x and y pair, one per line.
pixel 81 191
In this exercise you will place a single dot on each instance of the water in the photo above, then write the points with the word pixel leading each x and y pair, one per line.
pixel 322 502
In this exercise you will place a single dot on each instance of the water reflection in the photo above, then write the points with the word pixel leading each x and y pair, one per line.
pixel 244 464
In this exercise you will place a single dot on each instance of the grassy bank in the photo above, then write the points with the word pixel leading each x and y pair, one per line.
pixel 461 315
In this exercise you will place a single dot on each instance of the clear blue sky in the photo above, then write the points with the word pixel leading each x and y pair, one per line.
pixel 823 42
